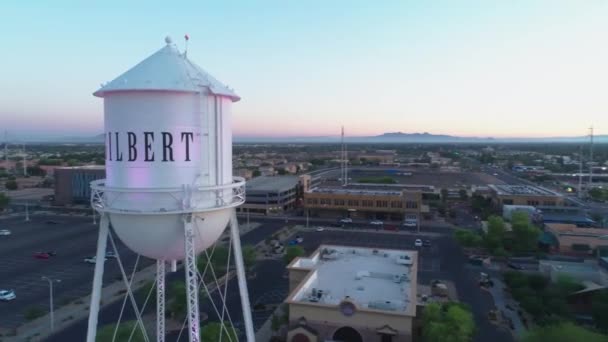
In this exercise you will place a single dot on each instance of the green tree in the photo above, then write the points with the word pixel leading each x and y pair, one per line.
pixel 467 238
pixel 444 194
pixel 599 310
pixel 36 171
pixel 11 185
pixel 496 232
pixel 211 332
pixel 275 323
pixel 525 234
pixel 291 252
pixel 249 256
pixel 106 333
pixel 256 173
pixel 449 322
pixel 177 303
pixel 463 194
pixel 563 332
pixel 219 260
pixel 4 201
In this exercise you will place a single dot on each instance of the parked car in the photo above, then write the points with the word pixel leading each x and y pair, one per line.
pixel 51 253
pixel 92 260
pixel 51 222
pixel 7 295
pixel 320 229
pixel 418 243
pixel 299 239
pixel 515 266
pixel 42 255
pixel 410 223
pixel 5 232
pixel 346 220
pixel 426 243
pixel 110 254
pixel 376 223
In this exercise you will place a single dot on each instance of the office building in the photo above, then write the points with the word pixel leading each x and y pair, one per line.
pixel 525 195
pixel 352 294
pixel 73 184
pixel 363 202
pixel 274 194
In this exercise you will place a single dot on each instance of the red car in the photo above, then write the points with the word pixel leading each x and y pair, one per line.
pixel 42 255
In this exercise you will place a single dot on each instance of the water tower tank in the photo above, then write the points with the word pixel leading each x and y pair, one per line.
pixel 168 138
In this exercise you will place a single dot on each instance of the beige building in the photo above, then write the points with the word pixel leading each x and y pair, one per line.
pixel 570 239
pixel 525 195
pixel 363 203
pixel 352 294
pixel 73 184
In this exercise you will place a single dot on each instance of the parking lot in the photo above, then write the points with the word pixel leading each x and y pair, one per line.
pixel 72 238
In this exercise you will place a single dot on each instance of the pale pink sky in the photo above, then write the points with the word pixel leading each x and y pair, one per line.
pixel 473 68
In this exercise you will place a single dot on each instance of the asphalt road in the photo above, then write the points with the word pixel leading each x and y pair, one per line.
pixel 267 282
pixel 73 238
pixel 443 260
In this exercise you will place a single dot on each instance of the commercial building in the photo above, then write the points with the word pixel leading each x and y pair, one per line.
pixel 274 194
pixel 73 184
pixel 352 294
pixel 363 202
pixel 570 239
pixel 525 195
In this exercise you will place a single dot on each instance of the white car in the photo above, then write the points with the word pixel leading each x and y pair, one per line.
pixel 320 229
pixel 7 295
pixel 92 260
pixel 299 239
pixel 5 232
pixel 376 223
pixel 410 224
pixel 346 220
pixel 418 243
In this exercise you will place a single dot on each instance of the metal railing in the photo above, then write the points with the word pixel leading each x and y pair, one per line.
pixel 175 200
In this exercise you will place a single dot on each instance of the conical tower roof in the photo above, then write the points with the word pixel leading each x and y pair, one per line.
pixel 167 70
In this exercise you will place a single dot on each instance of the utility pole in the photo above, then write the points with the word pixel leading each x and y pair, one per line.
pixel 590 157
pixel 52 314
pixel 580 172
pixel 24 162
pixel 6 149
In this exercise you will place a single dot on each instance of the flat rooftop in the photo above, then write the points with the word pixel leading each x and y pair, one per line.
pixel 373 279
pixel 355 191
pixel 272 183
pixel 523 190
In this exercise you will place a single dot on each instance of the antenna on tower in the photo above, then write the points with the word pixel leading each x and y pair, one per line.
pixel 590 157
pixel 186 38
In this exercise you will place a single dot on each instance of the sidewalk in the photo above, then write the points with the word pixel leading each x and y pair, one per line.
pixel 501 301
pixel 39 328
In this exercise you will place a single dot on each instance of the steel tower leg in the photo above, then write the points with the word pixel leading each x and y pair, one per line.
pixel 100 256
pixel 191 281
pixel 240 272
pixel 160 300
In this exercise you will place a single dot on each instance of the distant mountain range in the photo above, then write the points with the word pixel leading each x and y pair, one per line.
pixel 391 137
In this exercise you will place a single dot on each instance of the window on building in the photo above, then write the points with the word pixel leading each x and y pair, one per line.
pixel 353 203
pixel 411 205
pixel 367 203
pixel 532 202
pixel 507 201
pixel 381 204
pixel 325 201
pixel 396 204
pixel 339 202
pixel 549 203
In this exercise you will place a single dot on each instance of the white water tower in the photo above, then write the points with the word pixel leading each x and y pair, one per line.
pixel 169 192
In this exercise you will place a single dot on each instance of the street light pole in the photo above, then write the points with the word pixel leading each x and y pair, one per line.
pixel 51 281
